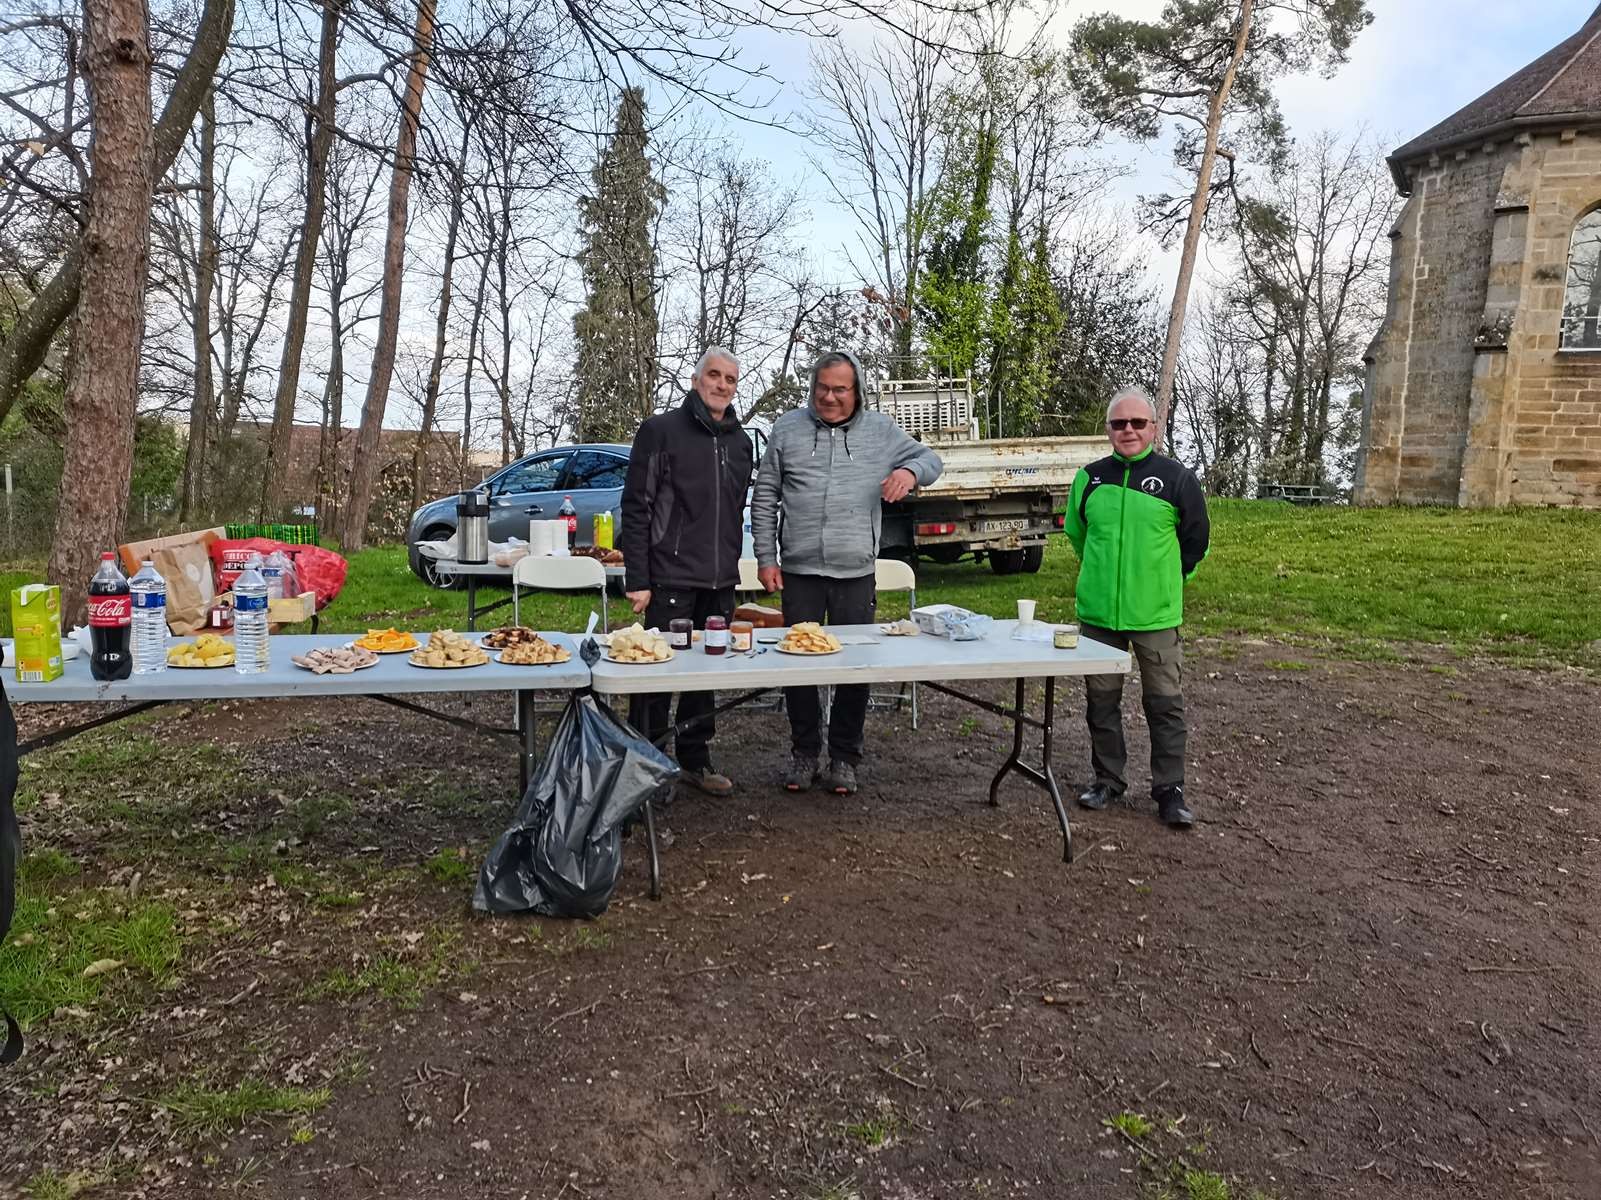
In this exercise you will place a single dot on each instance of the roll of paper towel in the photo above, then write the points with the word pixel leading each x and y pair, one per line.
pixel 541 537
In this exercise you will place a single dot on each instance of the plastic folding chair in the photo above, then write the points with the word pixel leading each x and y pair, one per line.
pixel 893 575
pixel 558 574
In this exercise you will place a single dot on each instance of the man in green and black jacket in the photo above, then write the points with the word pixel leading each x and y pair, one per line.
pixel 1138 521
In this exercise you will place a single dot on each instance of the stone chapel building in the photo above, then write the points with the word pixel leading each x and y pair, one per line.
pixel 1484 383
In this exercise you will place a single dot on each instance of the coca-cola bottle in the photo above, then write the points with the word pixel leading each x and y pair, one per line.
pixel 569 513
pixel 110 621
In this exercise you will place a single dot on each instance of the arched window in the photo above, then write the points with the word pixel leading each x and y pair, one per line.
pixel 1581 308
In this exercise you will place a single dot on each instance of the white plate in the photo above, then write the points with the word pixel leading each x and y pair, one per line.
pixel 558 662
pixel 655 662
pixel 782 649
pixel 362 667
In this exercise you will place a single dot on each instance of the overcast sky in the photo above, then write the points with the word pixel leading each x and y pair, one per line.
pixel 1420 61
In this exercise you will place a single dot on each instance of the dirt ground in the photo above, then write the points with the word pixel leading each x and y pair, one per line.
pixel 1371 970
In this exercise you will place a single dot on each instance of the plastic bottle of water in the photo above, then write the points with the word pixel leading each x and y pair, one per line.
pixel 149 620
pixel 250 655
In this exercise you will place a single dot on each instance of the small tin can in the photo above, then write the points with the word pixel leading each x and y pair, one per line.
pixel 680 632
pixel 740 635
pixel 1065 637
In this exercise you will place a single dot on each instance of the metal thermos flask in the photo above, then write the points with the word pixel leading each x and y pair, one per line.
pixel 472 527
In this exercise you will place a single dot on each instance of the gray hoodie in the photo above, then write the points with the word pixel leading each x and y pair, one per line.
pixel 816 499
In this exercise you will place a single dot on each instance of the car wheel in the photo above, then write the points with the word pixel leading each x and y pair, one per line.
pixel 1033 559
pixel 424 566
pixel 1006 562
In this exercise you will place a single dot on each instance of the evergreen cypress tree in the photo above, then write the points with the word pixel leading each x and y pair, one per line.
pixel 617 327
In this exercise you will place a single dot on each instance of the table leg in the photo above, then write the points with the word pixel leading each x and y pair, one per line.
pixel 1050 773
pixel 472 604
pixel 528 729
pixel 1044 775
pixel 650 846
pixel 1012 762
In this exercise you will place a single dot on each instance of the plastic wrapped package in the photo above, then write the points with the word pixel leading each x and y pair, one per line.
pixel 563 853
pixel 949 621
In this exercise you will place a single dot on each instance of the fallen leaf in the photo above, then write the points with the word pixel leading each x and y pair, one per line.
pixel 101 966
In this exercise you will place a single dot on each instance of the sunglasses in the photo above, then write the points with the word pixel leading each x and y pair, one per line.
pixel 1134 423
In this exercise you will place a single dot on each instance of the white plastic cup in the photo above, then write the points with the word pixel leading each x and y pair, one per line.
pixel 1025 611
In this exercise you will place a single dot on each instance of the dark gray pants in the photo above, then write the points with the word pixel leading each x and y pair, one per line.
pixel 837 602
pixel 1160 654
pixel 648 713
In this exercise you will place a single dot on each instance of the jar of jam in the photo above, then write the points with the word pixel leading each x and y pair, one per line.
pixel 716 635
pixel 740 636
pixel 680 632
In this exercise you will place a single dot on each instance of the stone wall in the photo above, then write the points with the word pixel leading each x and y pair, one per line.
pixel 1469 400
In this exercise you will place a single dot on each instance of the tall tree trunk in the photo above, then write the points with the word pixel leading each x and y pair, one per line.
pixel 436 368
pixel 333 398
pixel 102 396
pixel 318 146
pixel 476 324
pixel 364 466
pixel 1197 220
pixel 204 405
pixel 510 439
pixel 25 347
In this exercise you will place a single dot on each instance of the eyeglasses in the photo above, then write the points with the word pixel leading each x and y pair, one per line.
pixel 837 393
pixel 1134 423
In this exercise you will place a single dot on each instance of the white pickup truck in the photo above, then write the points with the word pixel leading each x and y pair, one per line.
pixel 998 498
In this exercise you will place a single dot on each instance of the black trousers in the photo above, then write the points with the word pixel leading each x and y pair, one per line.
pixel 648 713
pixel 1160 655
pixel 837 602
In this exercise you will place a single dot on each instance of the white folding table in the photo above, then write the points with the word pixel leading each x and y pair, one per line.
pixel 870 656
pixel 388 681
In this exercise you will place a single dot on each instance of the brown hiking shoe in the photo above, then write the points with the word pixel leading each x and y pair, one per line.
pixel 704 779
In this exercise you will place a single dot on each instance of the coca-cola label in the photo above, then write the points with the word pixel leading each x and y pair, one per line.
pixel 110 612
pixel 249 603
pixel 150 600
pixel 571 520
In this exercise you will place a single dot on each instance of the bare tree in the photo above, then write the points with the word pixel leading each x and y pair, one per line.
pixel 365 464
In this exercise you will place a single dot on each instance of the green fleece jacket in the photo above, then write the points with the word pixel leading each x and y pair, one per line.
pixel 1140 528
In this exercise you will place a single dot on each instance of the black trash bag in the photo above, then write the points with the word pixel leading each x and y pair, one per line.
pixel 10 859
pixel 563 853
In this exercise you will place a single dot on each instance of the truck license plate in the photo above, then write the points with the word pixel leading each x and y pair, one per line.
pixel 1016 525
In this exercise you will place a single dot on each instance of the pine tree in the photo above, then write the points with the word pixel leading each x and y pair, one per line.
pixel 617 327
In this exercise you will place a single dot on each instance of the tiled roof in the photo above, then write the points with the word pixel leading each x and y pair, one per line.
pixel 1562 85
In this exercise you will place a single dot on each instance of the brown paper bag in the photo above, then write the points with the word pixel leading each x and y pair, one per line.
pixel 187 570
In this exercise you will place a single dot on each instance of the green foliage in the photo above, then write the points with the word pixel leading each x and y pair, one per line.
pixel 616 330
pixel 157 458
pixel 448 866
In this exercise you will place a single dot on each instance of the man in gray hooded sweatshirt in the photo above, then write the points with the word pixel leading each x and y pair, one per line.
pixel 818 499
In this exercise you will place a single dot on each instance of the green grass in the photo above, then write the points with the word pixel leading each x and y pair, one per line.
pixel 56 934
pixel 1515 583
pixel 874 1133
pixel 401 975
pixel 1130 1123
pixel 210 1110
pixel 448 866
pixel 48 1185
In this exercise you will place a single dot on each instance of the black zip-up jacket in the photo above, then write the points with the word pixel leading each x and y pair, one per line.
pixel 684 499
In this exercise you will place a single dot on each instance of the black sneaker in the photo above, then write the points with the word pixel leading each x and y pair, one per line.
pixel 1170 807
pixel 1098 797
pixel 802 773
pixel 841 778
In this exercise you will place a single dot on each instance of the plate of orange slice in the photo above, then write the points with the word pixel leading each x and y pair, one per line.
pixel 387 641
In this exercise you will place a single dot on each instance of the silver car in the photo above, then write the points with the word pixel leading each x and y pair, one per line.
pixel 530 489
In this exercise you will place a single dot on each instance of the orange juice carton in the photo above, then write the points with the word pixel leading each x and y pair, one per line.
pixel 36 626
